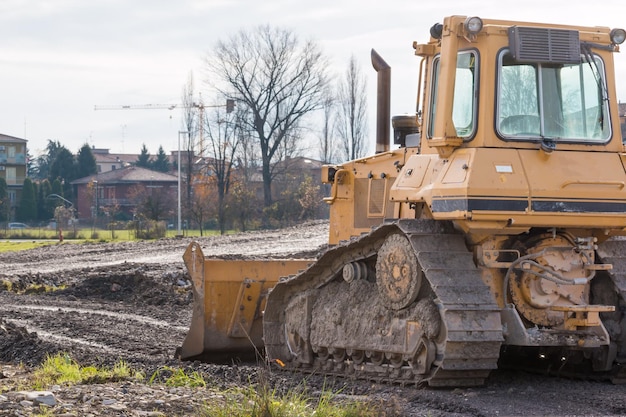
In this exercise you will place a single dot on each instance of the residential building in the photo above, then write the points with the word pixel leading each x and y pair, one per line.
pixel 13 167
pixel 115 188
pixel 107 161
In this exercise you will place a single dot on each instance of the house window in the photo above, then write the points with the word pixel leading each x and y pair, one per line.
pixel 11 175
pixel 11 151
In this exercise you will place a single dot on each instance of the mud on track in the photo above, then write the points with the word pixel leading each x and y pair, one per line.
pixel 132 302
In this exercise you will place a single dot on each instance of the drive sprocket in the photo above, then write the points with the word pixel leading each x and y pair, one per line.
pixel 398 276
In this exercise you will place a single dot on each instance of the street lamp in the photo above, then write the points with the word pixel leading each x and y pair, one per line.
pixel 95 183
pixel 179 206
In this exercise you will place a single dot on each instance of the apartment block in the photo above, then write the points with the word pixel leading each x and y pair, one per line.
pixel 13 166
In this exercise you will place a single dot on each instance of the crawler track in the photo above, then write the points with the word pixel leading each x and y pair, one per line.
pixel 450 336
pixel 614 252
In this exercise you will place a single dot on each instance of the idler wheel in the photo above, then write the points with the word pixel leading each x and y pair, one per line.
pixel 398 276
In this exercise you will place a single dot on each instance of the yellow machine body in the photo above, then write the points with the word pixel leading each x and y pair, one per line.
pixel 492 234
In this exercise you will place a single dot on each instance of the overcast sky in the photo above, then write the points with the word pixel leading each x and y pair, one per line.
pixel 60 58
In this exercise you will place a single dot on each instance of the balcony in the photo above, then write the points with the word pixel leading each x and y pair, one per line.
pixel 17 159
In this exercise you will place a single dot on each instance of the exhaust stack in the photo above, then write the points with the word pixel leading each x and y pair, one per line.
pixel 383 99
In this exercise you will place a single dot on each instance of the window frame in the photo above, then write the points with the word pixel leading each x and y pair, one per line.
pixel 542 113
pixel 434 76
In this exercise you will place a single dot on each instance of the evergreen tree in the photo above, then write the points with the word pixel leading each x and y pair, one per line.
pixel 57 188
pixel 161 163
pixel 42 164
pixel 63 168
pixel 41 201
pixel 46 204
pixel 28 204
pixel 143 160
pixel 5 203
pixel 86 162
pixel 31 165
pixel 36 191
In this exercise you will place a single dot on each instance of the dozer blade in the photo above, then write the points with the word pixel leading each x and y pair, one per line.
pixel 228 303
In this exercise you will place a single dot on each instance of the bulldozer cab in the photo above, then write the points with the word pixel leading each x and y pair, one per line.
pixel 537 86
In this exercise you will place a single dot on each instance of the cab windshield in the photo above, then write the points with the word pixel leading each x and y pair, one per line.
pixel 557 102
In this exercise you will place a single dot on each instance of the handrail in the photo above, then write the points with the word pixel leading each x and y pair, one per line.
pixel 333 196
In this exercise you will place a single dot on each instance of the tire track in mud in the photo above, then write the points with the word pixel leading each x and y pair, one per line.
pixel 96 332
pixel 111 314
pixel 59 339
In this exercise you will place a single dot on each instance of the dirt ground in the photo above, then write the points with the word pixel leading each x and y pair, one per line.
pixel 132 301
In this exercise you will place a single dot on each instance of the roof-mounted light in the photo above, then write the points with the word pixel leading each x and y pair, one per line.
pixel 618 36
pixel 473 25
pixel 436 30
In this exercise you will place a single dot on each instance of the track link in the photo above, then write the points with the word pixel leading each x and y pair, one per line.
pixel 614 252
pixel 464 351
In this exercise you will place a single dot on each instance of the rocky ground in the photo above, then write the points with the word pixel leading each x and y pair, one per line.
pixel 132 302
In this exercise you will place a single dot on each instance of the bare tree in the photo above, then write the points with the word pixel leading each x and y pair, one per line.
pixel 192 124
pixel 202 202
pixel 327 144
pixel 247 157
pixel 153 202
pixel 224 135
pixel 277 78
pixel 242 202
pixel 352 111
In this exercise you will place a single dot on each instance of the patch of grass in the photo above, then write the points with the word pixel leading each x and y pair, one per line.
pixel 44 412
pixel 177 378
pixel 61 369
pixel 13 246
pixel 36 237
pixel 41 288
pixel 7 285
pixel 261 401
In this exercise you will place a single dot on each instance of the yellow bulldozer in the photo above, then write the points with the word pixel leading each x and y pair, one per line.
pixel 490 235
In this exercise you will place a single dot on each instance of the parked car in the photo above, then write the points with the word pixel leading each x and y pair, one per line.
pixel 17 226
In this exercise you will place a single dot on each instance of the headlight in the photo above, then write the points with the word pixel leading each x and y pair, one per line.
pixel 618 36
pixel 473 25
pixel 436 30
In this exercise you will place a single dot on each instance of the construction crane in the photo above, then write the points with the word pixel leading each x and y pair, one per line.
pixel 230 105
